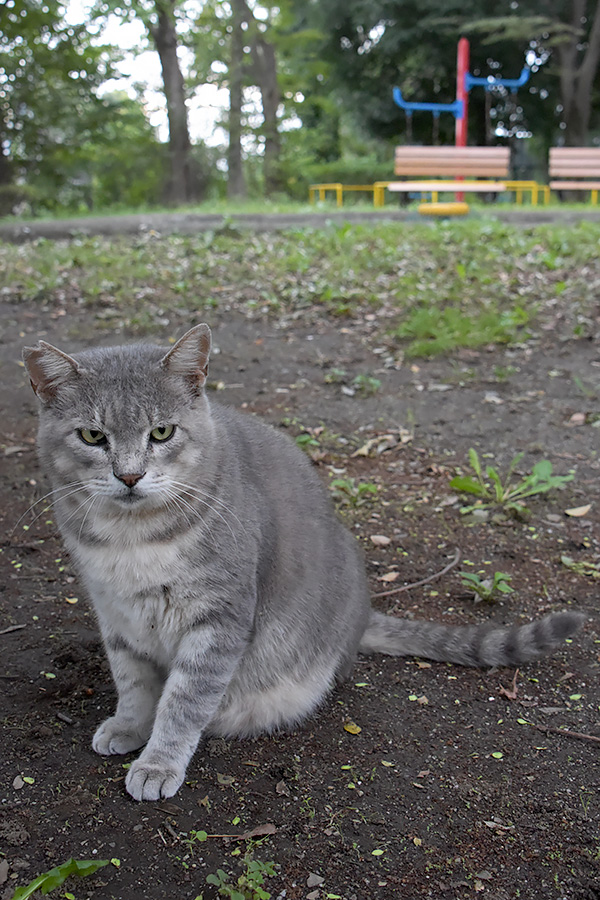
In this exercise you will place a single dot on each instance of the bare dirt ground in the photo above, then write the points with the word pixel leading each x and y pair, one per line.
pixel 460 783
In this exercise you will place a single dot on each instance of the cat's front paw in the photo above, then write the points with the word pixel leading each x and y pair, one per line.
pixel 153 780
pixel 116 736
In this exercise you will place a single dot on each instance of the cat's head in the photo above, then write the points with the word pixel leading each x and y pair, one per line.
pixel 123 423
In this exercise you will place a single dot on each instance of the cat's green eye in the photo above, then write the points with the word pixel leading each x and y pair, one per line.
pixel 92 436
pixel 162 432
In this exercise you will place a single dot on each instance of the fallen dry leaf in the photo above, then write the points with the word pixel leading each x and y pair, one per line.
pixel 380 540
pixel 578 511
pixel 225 779
pixel 352 727
pixel 389 576
pixel 512 691
pixel 258 831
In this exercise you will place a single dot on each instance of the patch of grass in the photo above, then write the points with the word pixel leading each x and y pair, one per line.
pixel 493 490
pixel 433 288
pixel 431 331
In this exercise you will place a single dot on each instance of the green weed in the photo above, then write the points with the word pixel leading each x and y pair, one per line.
pixel 249 885
pixel 366 384
pixel 306 440
pixel 335 376
pixel 492 490
pixel 487 588
pixel 349 492
pixel 57 876
pixel 581 567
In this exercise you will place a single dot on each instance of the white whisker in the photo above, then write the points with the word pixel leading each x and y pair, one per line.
pixel 193 496
pixel 55 496
pixel 179 497
pixel 91 502
pixel 80 506
pixel 202 494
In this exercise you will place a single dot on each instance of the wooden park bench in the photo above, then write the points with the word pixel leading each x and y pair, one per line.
pixel 575 169
pixel 442 170
pixel 453 168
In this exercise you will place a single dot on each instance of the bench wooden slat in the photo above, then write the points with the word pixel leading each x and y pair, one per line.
pixel 564 171
pixel 575 185
pixel 441 186
pixel 498 153
pixel 574 162
pixel 469 162
pixel 451 168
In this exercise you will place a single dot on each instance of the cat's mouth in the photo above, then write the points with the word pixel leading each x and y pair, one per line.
pixel 129 498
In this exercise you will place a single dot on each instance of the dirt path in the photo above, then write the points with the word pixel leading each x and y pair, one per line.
pixel 165 223
pixel 459 783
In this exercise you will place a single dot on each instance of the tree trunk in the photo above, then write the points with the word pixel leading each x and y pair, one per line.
pixel 266 68
pixel 264 71
pixel 236 184
pixel 577 78
pixel 181 188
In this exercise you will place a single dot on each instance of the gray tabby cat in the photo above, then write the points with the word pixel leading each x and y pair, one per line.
pixel 229 597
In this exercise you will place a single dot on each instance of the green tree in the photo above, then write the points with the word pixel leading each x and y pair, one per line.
pixel 566 33
pixel 49 76
pixel 267 56
pixel 164 20
pixel 373 46
pixel 125 161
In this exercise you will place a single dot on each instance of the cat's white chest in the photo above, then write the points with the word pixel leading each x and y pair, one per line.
pixel 129 586
pixel 128 569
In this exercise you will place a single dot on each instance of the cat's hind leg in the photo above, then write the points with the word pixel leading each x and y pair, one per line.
pixel 139 684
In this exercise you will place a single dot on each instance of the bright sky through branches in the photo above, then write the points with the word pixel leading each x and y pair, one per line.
pixel 143 68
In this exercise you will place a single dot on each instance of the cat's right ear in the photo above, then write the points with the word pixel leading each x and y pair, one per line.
pixel 188 358
pixel 48 369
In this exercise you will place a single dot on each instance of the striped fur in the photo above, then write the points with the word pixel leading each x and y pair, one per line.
pixel 229 597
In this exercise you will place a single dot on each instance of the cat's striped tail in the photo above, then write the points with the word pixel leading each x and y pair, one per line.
pixel 471 645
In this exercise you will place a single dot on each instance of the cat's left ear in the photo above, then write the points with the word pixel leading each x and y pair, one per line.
pixel 48 368
pixel 189 357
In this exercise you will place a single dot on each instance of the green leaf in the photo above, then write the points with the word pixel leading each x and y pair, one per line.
pixel 23 892
pixel 542 470
pixel 468 485
pixel 55 877
pixel 504 588
pixel 470 577
pixel 495 478
pixel 474 460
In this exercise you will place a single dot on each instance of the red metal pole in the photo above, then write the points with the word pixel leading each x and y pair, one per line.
pixel 462 67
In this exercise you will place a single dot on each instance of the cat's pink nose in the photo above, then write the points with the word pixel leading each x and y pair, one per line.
pixel 130 478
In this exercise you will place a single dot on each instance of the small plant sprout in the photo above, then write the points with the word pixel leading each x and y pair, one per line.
pixel 335 376
pixel 249 885
pixel 366 384
pixel 349 492
pixel 508 493
pixel 487 588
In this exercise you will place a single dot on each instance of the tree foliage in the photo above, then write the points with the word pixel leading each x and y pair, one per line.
pixel 64 146
pixel 310 88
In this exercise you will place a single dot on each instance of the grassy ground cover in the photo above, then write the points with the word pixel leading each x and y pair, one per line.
pixel 433 287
